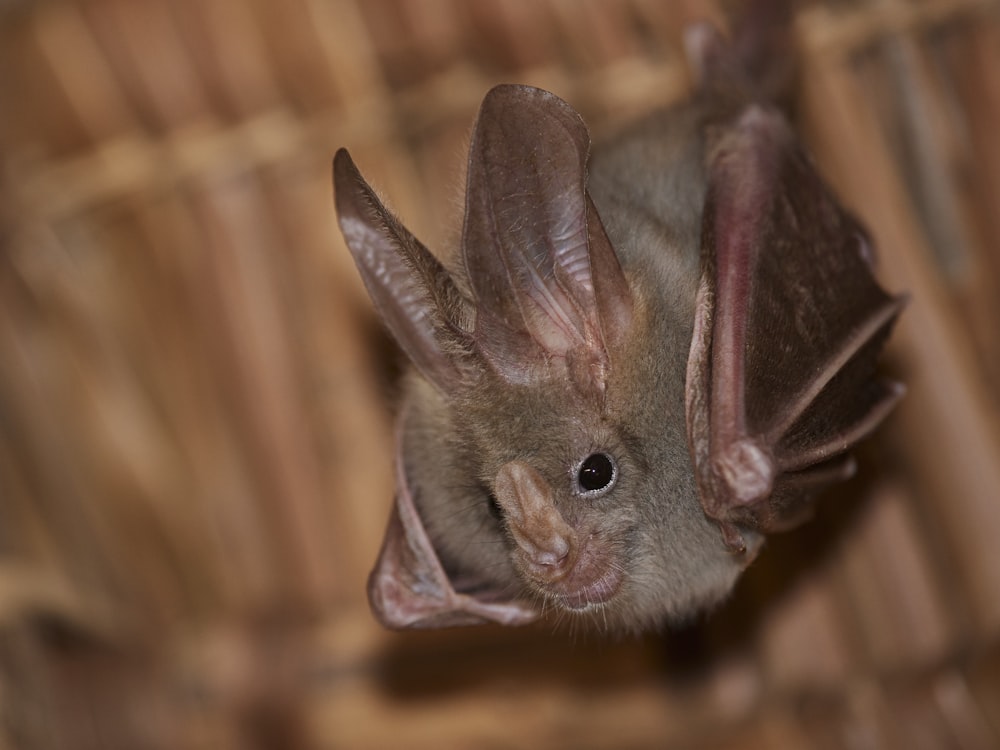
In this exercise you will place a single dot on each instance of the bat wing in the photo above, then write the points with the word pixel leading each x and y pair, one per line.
pixel 409 588
pixel 789 322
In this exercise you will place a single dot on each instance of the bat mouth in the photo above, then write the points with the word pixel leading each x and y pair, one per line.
pixel 581 597
pixel 598 592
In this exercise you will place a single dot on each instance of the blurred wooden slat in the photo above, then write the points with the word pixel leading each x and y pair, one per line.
pixel 227 44
pixel 900 608
pixel 84 71
pixel 972 57
pixel 146 50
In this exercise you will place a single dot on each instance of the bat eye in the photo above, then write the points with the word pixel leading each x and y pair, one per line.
pixel 597 473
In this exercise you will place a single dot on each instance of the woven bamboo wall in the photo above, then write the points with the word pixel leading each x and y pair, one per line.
pixel 195 397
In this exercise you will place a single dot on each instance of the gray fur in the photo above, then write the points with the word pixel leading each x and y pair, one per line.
pixel 676 561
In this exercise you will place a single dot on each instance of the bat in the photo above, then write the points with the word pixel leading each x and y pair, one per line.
pixel 637 363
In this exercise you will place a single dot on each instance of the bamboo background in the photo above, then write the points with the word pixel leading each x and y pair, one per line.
pixel 195 396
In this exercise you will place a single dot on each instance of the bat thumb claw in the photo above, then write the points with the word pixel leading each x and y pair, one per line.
pixel 746 470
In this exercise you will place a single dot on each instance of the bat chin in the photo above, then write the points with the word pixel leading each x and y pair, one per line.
pixel 581 597
pixel 591 576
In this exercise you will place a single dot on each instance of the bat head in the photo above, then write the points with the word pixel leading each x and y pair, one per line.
pixel 565 433
pixel 578 437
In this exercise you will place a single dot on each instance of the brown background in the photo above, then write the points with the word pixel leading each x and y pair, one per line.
pixel 195 396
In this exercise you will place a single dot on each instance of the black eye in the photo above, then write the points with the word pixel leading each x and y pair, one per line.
pixel 597 472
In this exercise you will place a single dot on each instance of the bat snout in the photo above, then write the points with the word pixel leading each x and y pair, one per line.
pixel 577 568
pixel 591 574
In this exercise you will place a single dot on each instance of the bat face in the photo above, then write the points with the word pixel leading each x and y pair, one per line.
pixel 616 396
pixel 588 507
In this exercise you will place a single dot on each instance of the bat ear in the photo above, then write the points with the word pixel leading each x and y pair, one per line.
pixel 414 295
pixel 789 322
pixel 548 287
